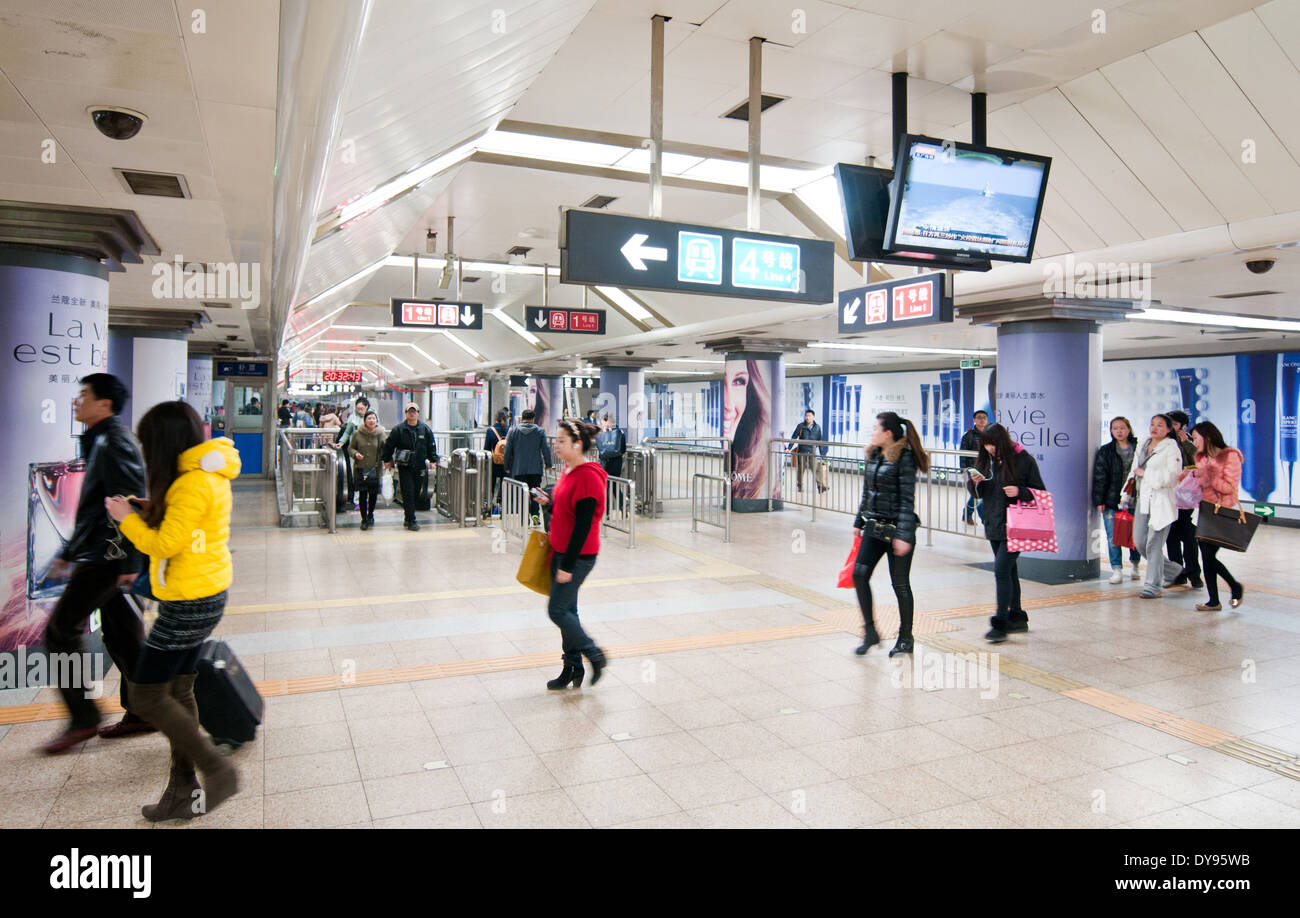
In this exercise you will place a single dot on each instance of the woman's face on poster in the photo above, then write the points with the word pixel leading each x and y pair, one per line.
pixel 736 395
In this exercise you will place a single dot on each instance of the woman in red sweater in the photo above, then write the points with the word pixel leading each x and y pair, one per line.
pixel 1218 469
pixel 577 505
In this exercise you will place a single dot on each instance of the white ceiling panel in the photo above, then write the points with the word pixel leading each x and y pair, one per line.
pixel 1125 133
pixel 946 57
pixel 1282 17
pixel 774 20
pixel 249 29
pixel 1098 162
pixel 863 39
pixel 1229 116
pixel 138 15
pixel 1181 133
pixel 167 115
pixel 1026 23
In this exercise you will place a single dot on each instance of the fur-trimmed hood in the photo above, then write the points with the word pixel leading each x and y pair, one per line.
pixel 892 451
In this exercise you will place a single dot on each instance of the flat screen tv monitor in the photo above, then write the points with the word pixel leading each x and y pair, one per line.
pixel 864 203
pixel 956 198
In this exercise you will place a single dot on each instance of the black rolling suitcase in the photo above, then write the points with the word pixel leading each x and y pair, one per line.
pixel 230 707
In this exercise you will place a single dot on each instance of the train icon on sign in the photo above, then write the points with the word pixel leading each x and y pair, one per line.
pixel 699 258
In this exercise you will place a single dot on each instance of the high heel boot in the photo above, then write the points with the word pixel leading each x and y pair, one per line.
pixel 904 642
pixel 572 672
pixel 177 801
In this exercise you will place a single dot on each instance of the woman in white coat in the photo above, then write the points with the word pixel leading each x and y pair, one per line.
pixel 1155 474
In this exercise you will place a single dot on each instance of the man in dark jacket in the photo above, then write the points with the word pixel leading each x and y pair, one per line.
pixel 970 442
pixel 611 443
pixel 803 453
pixel 1181 541
pixel 411 448
pixel 100 561
pixel 527 454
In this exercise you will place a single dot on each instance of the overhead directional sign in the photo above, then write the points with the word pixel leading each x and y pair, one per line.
pixel 895 304
pixel 622 251
pixel 541 319
pixel 437 314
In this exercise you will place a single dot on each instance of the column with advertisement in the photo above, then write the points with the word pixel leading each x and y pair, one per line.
pixel 753 396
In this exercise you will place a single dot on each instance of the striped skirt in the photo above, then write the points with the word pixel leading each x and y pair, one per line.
pixel 187 623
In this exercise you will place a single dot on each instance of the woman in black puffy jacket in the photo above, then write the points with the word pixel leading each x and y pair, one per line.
pixel 887 521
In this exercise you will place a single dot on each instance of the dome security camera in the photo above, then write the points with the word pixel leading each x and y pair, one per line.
pixel 116 123
pixel 1260 265
pixel 629 353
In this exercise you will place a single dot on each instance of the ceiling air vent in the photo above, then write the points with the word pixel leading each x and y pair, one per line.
pixel 599 201
pixel 209 304
pixel 1152 338
pixel 1241 296
pixel 227 326
pixel 741 111
pixel 1242 338
pixel 470 280
pixel 519 250
pixel 159 184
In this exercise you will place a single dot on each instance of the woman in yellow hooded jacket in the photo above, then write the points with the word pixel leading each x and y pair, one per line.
pixel 184 528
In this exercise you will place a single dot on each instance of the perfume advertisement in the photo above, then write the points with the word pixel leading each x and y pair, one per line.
pixel 1251 398
pixel 55 331
pixel 753 388
pixel 941 403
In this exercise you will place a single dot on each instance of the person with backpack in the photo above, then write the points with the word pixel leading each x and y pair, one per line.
pixel 1004 474
pixel 1218 470
pixel 184 528
pixel 526 455
pixel 1110 470
pixel 494 441
pixel 411 448
pixel 887 522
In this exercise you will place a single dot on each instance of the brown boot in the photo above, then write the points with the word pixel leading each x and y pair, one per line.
pixel 178 800
pixel 158 705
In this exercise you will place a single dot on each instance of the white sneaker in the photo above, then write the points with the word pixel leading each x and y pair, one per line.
pixel 1116 575
pixel 1135 575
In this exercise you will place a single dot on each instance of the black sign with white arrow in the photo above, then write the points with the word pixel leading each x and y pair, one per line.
pixel 920 300
pixel 544 319
pixel 437 314
pixel 613 249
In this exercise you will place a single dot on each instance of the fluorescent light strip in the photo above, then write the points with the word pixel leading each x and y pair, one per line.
pixel 369 354
pixel 620 297
pixel 464 347
pixel 364 272
pixel 1213 318
pixel 417 348
pixel 847 346
pixel 405 182
pixel 436 261
pixel 515 327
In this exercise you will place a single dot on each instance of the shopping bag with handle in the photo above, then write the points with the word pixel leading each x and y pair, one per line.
pixel 1227 527
pixel 1187 495
pixel 535 568
pixel 1122 530
pixel 846 572
pixel 1032 526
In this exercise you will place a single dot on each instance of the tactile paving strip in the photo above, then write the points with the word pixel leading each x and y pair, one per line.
pixel 1275 760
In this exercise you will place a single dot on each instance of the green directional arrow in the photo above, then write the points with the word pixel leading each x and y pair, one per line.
pixel 1265 510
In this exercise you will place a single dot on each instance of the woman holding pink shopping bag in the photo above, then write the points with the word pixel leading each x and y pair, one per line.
pixel 1004 474
pixel 1155 472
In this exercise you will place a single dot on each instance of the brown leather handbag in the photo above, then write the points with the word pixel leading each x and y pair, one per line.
pixel 1228 527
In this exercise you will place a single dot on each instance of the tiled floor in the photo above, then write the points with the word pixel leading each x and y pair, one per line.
pixel 770 720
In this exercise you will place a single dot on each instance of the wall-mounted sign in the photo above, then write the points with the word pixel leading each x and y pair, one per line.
pixel 436 314
pixel 243 368
pixel 623 251
pixel 541 319
pixel 348 376
pixel 897 303
pixel 972 363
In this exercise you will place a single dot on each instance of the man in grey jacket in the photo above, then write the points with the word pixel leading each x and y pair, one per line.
pixel 527 454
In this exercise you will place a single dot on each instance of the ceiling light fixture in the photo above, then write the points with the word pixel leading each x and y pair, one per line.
pixel 900 348
pixel 515 327
pixel 1212 318
pixel 404 183
pixel 620 298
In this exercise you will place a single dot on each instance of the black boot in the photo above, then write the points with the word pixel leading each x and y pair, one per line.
pixel 904 642
pixel 598 662
pixel 572 672
pixel 870 639
pixel 902 645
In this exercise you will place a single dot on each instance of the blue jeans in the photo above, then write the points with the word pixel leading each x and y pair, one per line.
pixel 1117 553
pixel 562 607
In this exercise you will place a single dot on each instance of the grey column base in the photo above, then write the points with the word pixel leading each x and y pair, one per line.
pixel 754 506
pixel 1057 571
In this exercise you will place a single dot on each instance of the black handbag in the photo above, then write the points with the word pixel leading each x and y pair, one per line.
pixel 877 528
pixel 1228 527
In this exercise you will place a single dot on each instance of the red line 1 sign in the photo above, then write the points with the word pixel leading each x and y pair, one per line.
pixel 895 304
pixel 545 320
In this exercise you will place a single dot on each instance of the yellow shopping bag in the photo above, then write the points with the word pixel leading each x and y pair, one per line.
pixel 535 569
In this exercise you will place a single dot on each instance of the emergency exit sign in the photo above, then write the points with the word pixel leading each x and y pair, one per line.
pixel 972 364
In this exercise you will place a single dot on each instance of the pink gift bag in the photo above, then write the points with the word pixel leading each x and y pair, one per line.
pixel 1032 526
pixel 1187 495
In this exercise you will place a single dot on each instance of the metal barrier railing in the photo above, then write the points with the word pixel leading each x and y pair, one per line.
pixel 711 503
pixel 620 507
pixel 306 479
pixel 678 460
pixel 639 468
pixel 941 495
pixel 442 486
pixel 514 510
pixel 448 441
pixel 470 485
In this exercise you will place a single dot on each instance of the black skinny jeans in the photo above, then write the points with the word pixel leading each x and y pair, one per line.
pixel 94 586
pixel 562 607
pixel 1181 544
pixel 900 568
pixel 1007 575
pixel 1214 569
pixel 367 497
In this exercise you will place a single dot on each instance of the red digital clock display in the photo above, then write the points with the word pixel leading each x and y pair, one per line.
pixel 352 376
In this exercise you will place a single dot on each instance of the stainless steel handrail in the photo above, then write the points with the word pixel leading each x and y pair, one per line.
pixel 289 467
pixel 620 507
pixel 720 484
pixel 514 509
pixel 676 460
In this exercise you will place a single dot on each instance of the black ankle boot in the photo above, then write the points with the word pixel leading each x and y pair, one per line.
pixel 902 645
pixel 598 662
pixel 870 639
pixel 572 672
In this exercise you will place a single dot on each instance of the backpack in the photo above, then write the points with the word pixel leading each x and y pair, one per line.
pixel 499 451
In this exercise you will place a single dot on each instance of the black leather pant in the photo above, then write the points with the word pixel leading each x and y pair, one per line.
pixel 900 569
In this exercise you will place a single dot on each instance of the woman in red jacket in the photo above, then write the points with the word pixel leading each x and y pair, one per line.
pixel 1218 469
pixel 577 505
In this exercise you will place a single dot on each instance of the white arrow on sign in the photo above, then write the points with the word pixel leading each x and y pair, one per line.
pixel 637 253
pixel 851 311
pixel 467 316
pixel 541 320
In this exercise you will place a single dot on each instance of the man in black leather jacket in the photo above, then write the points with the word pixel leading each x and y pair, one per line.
pixel 414 440
pixel 100 560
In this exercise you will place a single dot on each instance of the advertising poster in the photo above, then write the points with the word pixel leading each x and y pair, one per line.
pixel 198 391
pixel 753 390
pixel 853 401
pixel 55 331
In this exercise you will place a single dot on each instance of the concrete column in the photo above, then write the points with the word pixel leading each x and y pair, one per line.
pixel 154 365
pixel 622 394
pixel 753 398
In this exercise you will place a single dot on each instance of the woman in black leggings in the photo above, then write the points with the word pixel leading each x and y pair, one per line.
pixel 887 522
